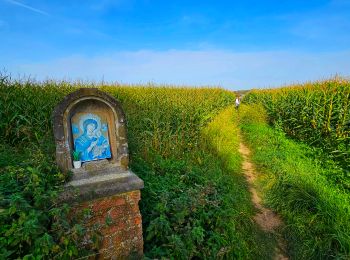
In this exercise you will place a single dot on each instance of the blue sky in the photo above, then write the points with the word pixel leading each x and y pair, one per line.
pixel 234 44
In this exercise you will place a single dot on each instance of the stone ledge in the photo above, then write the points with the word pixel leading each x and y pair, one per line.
pixel 99 186
pixel 96 168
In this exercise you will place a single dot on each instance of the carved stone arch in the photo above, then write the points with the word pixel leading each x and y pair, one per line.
pixel 92 100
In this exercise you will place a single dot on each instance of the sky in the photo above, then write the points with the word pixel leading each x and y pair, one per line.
pixel 232 44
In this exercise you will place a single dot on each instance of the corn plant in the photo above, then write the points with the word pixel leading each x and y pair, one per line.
pixel 189 192
pixel 316 113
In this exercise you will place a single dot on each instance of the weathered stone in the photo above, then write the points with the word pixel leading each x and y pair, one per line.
pixel 103 184
pixel 96 178
pixel 89 100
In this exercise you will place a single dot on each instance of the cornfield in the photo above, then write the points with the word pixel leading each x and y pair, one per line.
pixel 315 113
pixel 193 205
pixel 162 118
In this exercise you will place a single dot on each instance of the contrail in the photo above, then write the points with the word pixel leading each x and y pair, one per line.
pixel 27 7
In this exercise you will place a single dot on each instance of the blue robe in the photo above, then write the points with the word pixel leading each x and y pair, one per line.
pixel 82 144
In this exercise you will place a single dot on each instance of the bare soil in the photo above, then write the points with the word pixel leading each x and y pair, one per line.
pixel 266 219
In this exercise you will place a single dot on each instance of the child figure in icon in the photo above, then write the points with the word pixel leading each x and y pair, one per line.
pixel 92 139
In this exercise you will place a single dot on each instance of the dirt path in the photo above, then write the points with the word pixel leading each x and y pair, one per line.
pixel 266 218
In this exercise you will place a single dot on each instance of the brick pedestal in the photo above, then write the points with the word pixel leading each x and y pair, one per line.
pixel 104 184
pixel 112 202
pixel 119 222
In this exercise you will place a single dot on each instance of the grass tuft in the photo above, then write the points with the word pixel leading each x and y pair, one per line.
pixel 315 210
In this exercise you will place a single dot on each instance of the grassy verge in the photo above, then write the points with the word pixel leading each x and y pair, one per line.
pixel 163 130
pixel 316 212
pixel 32 224
pixel 222 141
pixel 194 204
pixel 316 113
pixel 201 206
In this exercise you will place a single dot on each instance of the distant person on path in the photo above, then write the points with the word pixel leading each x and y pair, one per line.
pixel 237 102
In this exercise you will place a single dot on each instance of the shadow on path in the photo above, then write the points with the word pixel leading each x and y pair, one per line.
pixel 267 220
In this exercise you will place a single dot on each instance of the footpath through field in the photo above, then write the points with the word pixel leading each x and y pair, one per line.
pixel 266 219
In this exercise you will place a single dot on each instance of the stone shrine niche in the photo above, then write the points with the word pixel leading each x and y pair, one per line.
pixel 102 114
pixel 93 123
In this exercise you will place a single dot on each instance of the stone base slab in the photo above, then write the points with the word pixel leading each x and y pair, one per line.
pixel 98 186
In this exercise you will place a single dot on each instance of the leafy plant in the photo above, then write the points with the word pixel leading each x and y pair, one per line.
pixel 315 113
pixel 76 155
pixel 193 204
pixel 32 223
pixel 295 183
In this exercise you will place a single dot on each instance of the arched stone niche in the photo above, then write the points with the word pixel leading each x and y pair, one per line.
pixel 97 177
pixel 90 100
pixel 104 184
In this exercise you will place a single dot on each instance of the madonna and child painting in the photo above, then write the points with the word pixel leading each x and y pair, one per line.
pixel 90 136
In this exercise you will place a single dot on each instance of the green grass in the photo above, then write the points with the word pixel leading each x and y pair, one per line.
pixel 317 113
pixel 222 138
pixel 316 211
pixel 194 205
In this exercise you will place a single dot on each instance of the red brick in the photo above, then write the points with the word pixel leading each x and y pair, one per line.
pixel 135 208
pixel 105 254
pixel 135 195
pixel 106 243
pixel 119 201
pixel 116 213
pixel 97 219
pixel 124 234
pixel 138 220
pixel 102 204
pixel 110 230
pixel 117 240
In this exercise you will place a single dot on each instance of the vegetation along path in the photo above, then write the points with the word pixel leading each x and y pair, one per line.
pixel 266 219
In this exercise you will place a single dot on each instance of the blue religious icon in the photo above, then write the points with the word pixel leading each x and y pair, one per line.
pixel 91 137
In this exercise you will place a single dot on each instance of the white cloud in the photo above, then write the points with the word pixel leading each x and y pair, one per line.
pixel 233 70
